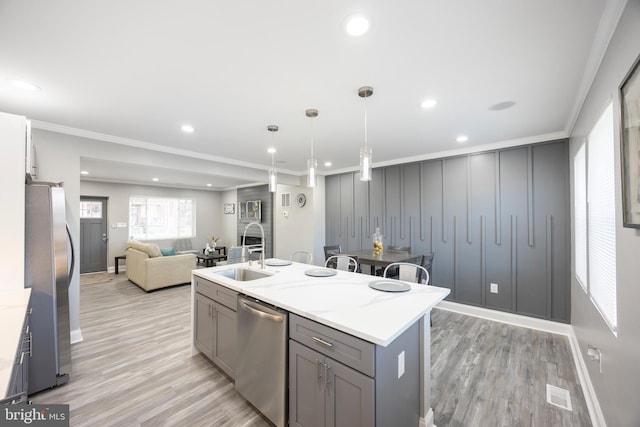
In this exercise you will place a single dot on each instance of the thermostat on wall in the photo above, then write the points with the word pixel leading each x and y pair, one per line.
pixel 301 200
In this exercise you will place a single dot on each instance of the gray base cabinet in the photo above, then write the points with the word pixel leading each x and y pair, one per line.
pixel 215 324
pixel 323 392
pixel 337 380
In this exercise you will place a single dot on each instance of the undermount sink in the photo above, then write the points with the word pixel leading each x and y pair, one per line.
pixel 242 274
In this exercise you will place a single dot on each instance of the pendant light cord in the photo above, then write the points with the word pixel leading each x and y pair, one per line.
pixel 312 138
pixel 364 100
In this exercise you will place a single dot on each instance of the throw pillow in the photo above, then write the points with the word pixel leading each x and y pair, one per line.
pixel 168 251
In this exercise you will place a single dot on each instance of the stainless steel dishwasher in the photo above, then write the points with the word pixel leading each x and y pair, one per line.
pixel 261 371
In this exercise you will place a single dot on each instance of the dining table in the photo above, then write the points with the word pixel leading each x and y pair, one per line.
pixel 366 256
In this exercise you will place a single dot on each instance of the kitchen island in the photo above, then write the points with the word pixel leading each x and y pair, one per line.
pixel 343 302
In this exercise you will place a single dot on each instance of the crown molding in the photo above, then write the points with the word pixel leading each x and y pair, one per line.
pixel 606 28
pixel 134 143
pixel 475 149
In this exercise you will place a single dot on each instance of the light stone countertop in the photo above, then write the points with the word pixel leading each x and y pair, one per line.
pixel 13 307
pixel 344 301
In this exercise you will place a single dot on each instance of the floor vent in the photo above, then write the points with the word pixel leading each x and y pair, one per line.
pixel 559 397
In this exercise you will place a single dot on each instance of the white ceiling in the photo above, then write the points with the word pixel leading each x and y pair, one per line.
pixel 134 71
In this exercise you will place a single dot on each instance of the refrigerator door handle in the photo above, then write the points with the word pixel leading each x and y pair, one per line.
pixel 73 255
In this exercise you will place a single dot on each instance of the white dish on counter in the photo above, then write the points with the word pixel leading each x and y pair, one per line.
pixel 275 262
pixel 321 272
pixel 387 285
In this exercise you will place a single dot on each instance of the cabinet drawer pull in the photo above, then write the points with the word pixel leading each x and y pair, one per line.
pixel 327 375
pixel 321 341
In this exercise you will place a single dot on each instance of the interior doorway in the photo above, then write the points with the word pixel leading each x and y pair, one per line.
pixel 93 234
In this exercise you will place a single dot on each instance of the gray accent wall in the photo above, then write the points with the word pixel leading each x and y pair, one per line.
pixel 499 216
pixel 617 386
pixel 260 192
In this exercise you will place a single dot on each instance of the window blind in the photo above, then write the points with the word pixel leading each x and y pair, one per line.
pixel 580 215
pixel 601 219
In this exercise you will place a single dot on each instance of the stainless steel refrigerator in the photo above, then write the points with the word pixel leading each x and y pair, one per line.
pixel 49 263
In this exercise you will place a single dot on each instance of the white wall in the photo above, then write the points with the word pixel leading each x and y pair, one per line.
pixel 230 222
pixel 293 232
pixel 618 386
pixel 12 176
pixel 59 160
pixel 208 211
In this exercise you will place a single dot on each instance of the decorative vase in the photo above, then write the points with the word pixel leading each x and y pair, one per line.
pixel 378 248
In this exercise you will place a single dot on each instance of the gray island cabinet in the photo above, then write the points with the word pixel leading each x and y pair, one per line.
pixel 336 379
pixel 215 323
pixel 356 356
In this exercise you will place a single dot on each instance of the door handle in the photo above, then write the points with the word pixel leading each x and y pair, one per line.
pixel 255 310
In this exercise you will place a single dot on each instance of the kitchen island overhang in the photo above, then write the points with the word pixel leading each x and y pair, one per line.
pixel 344 302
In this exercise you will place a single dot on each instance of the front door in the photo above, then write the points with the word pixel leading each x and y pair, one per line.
pixel 93 234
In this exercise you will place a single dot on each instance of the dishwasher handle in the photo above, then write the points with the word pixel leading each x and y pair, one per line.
pixel 256 309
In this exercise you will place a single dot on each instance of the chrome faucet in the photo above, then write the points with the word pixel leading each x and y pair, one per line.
pixel 261 245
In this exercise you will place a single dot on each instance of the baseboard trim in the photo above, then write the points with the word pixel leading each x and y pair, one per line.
pixel 121 269
pixel 427 421
pixel 595 413
pixel 509 318
pixel 76 336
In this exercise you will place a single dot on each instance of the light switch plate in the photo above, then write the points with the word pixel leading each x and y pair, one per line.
pixel 401 364
pixel 494 288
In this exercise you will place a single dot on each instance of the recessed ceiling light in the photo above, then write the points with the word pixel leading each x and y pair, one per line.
pixel 209 185
pixel 356 25
pixel 428 103
pixel 84 172
pixel 327 164
pixel 21 84
pixel 502 105
pixel 271 150
pixel 155 179
pixel 187 128
pixel 462 138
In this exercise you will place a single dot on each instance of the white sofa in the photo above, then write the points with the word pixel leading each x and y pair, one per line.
pixel 149 269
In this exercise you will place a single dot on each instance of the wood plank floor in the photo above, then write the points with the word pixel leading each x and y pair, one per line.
pixel 134 368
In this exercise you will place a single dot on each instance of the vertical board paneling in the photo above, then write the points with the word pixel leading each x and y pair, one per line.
pixel 410 212
pixel 551 197
pixel 465 263
pixel 530 216
pixel 496 217
pixel 392 199
pixel 346 212
pixel 481 201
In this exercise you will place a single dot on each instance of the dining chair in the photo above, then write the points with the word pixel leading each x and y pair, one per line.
pixel 409 272
pixel 234 256
pixel 304 257
pixel 332 250
pixel 427 263
pixel 396 250
pixel 342 262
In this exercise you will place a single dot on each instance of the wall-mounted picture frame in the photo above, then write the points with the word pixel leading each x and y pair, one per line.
pixel 630 146
pixel 230 208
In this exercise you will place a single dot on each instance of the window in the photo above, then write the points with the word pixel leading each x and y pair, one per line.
pixel 580 215
pixel 601 220
pixel 161 218
pixel 90 209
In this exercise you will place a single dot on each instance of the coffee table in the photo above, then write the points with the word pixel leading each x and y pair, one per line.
pixel 210 260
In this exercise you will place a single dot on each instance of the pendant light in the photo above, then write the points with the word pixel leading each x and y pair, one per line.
pixel 365 152
pixel 312 163
pixel 273 176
